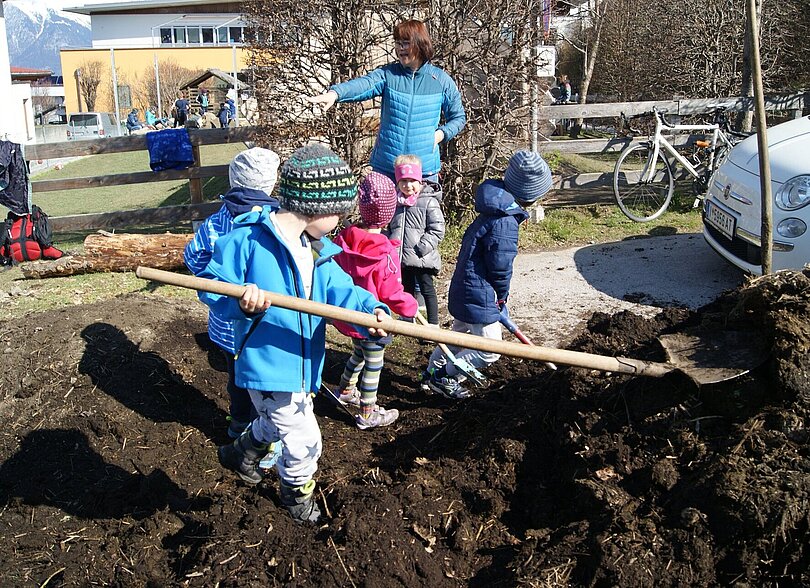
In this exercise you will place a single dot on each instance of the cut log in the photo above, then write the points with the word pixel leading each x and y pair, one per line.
pixel 115 252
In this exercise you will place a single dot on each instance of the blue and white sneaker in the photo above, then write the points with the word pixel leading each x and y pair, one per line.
pixel 268 462
pixel 448 387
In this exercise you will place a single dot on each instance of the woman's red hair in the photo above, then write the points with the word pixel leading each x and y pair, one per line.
pixel 417 34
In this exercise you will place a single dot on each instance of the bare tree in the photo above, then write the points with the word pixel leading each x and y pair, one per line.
pixel 486 47
pixel 43 101
pixel 90 73
pixel 171 76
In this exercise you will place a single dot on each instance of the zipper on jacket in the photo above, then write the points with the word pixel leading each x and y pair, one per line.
pixel 294 268
pixel 410 112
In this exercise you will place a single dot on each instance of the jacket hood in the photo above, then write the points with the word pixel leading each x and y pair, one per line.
pixel 240 200
pixel 492 199
pixel 432 189
pixel 365 249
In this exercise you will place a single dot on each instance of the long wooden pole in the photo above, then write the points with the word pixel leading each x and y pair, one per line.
pixel 766 230
pixel 561 356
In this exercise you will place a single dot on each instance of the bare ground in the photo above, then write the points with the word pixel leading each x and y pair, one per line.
pixel 109 474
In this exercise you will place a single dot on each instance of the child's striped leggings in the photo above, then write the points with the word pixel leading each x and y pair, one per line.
pixel 363 370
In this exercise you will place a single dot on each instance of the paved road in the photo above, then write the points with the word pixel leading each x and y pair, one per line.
pixel 555 292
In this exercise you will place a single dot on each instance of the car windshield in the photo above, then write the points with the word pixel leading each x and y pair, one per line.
pixel 84 120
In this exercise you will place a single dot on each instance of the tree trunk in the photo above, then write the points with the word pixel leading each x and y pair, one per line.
pixel 109 252
pixel 746 117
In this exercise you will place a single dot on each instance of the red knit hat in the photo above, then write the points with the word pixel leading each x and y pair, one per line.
pixel 378 200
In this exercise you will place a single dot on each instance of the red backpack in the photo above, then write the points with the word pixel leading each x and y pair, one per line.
pixel 27 238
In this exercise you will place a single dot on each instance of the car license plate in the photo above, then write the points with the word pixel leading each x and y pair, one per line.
pixel 720 220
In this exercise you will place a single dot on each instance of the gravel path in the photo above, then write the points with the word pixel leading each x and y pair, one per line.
pixel 554 292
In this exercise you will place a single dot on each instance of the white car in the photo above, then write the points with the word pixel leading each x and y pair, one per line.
pixel 731 212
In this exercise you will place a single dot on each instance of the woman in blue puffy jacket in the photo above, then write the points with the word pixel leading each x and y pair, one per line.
pixel 416 96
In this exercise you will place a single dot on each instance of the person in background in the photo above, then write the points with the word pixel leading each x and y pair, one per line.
pixel 479 288
pixel 416 95
pixel 280 352
pixel 565 90
pixel 181 111
pixel 373 263
pixel 231 109
pixel 134 124
pixel 418 225
pixel 202 100
pixel 252 175
pixel 153 121
pixel 224 115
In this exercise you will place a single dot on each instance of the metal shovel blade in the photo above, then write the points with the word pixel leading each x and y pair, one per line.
pixel 712 357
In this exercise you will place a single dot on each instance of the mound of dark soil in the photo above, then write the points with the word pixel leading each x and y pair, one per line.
pixel 109 474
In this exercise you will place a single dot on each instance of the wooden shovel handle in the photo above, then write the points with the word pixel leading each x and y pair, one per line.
pixel 562 356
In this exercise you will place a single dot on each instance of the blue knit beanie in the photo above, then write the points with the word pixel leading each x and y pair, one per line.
pixel 527 177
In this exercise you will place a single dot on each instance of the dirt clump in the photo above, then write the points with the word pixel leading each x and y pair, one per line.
pixel 109 474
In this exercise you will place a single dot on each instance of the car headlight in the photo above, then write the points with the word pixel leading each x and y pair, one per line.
pixel 794 194
pixel 791 228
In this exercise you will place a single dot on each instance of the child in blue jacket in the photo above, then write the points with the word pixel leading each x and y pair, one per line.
pixel 252 175
pixel 280 353
pixel 480 284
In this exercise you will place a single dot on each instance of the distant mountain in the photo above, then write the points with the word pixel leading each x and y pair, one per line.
pixel 36 33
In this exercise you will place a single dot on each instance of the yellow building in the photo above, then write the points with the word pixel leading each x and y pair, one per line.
pixel 142 45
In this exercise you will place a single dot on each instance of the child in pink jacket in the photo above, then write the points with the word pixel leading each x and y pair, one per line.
pixel 372 261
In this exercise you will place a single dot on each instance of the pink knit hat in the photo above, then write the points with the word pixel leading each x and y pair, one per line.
pixel 378 200
pixel 409 171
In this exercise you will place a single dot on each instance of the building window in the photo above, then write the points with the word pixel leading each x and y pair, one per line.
pixel 202 35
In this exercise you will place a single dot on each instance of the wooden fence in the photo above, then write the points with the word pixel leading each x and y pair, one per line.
pixel 793 103
pixel 147 216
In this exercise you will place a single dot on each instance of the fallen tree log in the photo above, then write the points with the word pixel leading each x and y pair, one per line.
pixel 114 252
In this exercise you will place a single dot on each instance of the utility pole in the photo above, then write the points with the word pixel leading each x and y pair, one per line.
pixel 9 113
pixel 766 231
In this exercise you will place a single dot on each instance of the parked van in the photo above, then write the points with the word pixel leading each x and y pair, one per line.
pixel 91 125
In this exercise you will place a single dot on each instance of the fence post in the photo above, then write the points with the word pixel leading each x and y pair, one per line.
pixel 195 184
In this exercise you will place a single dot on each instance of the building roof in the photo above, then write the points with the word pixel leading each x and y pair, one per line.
pixel 150 5
pixel 30 71
pixel 27 74
pixel 215 73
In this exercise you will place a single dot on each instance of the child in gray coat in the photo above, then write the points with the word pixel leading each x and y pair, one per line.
pixel 418 224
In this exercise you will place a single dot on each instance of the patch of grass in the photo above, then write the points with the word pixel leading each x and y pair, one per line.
pixel 591 163
pixel 20 296
pixel 131 196
pixel 570 227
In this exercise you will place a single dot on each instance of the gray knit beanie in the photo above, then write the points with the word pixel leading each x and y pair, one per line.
pixel 314 180
pixel 527 177
pixel 256 169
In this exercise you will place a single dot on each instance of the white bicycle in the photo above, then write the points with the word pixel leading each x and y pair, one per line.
pixel 643 179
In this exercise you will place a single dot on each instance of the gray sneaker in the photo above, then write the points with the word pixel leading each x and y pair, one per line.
pixel 448 387
pixel 350 396
pixel 378 418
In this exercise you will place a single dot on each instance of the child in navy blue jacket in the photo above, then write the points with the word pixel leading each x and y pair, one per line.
pixel 480 284
pixel 279 352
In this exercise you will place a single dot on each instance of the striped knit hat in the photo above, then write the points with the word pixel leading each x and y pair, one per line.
pixel 378 200
pixel 527 176
pixel 314 180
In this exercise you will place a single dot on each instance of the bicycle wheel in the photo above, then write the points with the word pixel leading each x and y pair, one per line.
pixel 642 200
